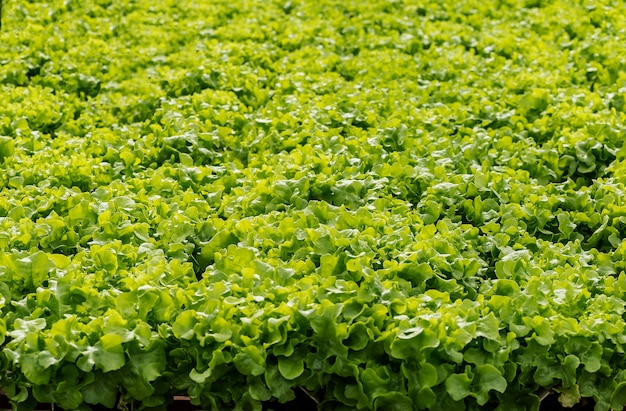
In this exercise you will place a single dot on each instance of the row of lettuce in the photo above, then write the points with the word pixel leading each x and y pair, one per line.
pixel 384 205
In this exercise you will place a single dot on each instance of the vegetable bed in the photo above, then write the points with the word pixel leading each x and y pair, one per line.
pixel 381 205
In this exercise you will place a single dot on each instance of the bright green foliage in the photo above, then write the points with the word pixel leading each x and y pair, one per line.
pixel 388 204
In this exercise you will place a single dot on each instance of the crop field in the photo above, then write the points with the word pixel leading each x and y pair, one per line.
pixel 386 205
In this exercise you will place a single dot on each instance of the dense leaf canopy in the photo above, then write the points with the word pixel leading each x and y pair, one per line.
pixel 388 204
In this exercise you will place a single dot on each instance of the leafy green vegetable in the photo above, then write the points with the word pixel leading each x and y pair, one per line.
pixel 382 204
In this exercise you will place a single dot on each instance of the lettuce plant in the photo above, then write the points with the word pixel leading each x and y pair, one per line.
pixel 373 205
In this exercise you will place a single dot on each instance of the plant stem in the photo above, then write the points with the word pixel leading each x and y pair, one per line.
pixel 544 395
pixel 311 396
